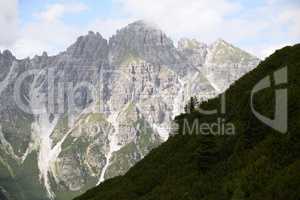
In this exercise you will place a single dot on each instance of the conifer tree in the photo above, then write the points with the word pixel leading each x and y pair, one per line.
pixel 192 105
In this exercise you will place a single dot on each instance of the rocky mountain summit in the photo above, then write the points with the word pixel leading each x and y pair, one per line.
pixel 70 121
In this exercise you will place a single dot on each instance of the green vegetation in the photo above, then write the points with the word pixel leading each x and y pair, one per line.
pixel 17 132
pixel 122 160
pixel 255 163
pixel 21 181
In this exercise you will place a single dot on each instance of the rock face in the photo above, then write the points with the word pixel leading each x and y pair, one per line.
pixel 143 40
pixel 70 121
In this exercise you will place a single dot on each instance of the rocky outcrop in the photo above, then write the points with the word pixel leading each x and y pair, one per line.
pixel 225 64
pixel 194 51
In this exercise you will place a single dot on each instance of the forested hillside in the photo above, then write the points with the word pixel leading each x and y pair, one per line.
pixel 257 162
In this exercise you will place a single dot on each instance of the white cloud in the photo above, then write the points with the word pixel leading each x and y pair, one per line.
pixel 290 18
pixel 48 32
pixel 8 22
pixel 265 25
pixel 265 50
pixel 40 36
pixel 55 11
pixel 199 18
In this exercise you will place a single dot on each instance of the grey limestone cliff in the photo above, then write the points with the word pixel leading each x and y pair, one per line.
pixel 99 107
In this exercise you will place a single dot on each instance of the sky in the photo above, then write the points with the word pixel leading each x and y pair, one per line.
pixel 30 27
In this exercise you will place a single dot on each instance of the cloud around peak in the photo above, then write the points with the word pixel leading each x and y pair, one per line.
pixel 257 26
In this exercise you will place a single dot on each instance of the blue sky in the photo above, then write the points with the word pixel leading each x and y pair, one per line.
pixel 258 26
pixel 95 10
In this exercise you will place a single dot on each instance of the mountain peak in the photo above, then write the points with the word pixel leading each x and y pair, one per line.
pixel 141 27
pixel 89 46
pixel 91 35
pixel 143 24
pixel 7 53
pixel 142 39
pixel 223 57
pixel 45 54
pixel 221 46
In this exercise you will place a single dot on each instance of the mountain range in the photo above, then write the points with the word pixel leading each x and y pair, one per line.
pixel 70 121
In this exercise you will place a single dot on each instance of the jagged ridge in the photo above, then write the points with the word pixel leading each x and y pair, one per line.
pixel 142 77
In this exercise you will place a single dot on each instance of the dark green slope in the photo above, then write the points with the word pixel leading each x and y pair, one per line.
pixel 255 163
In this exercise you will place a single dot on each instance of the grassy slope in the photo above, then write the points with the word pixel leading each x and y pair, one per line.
pixel 256 163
